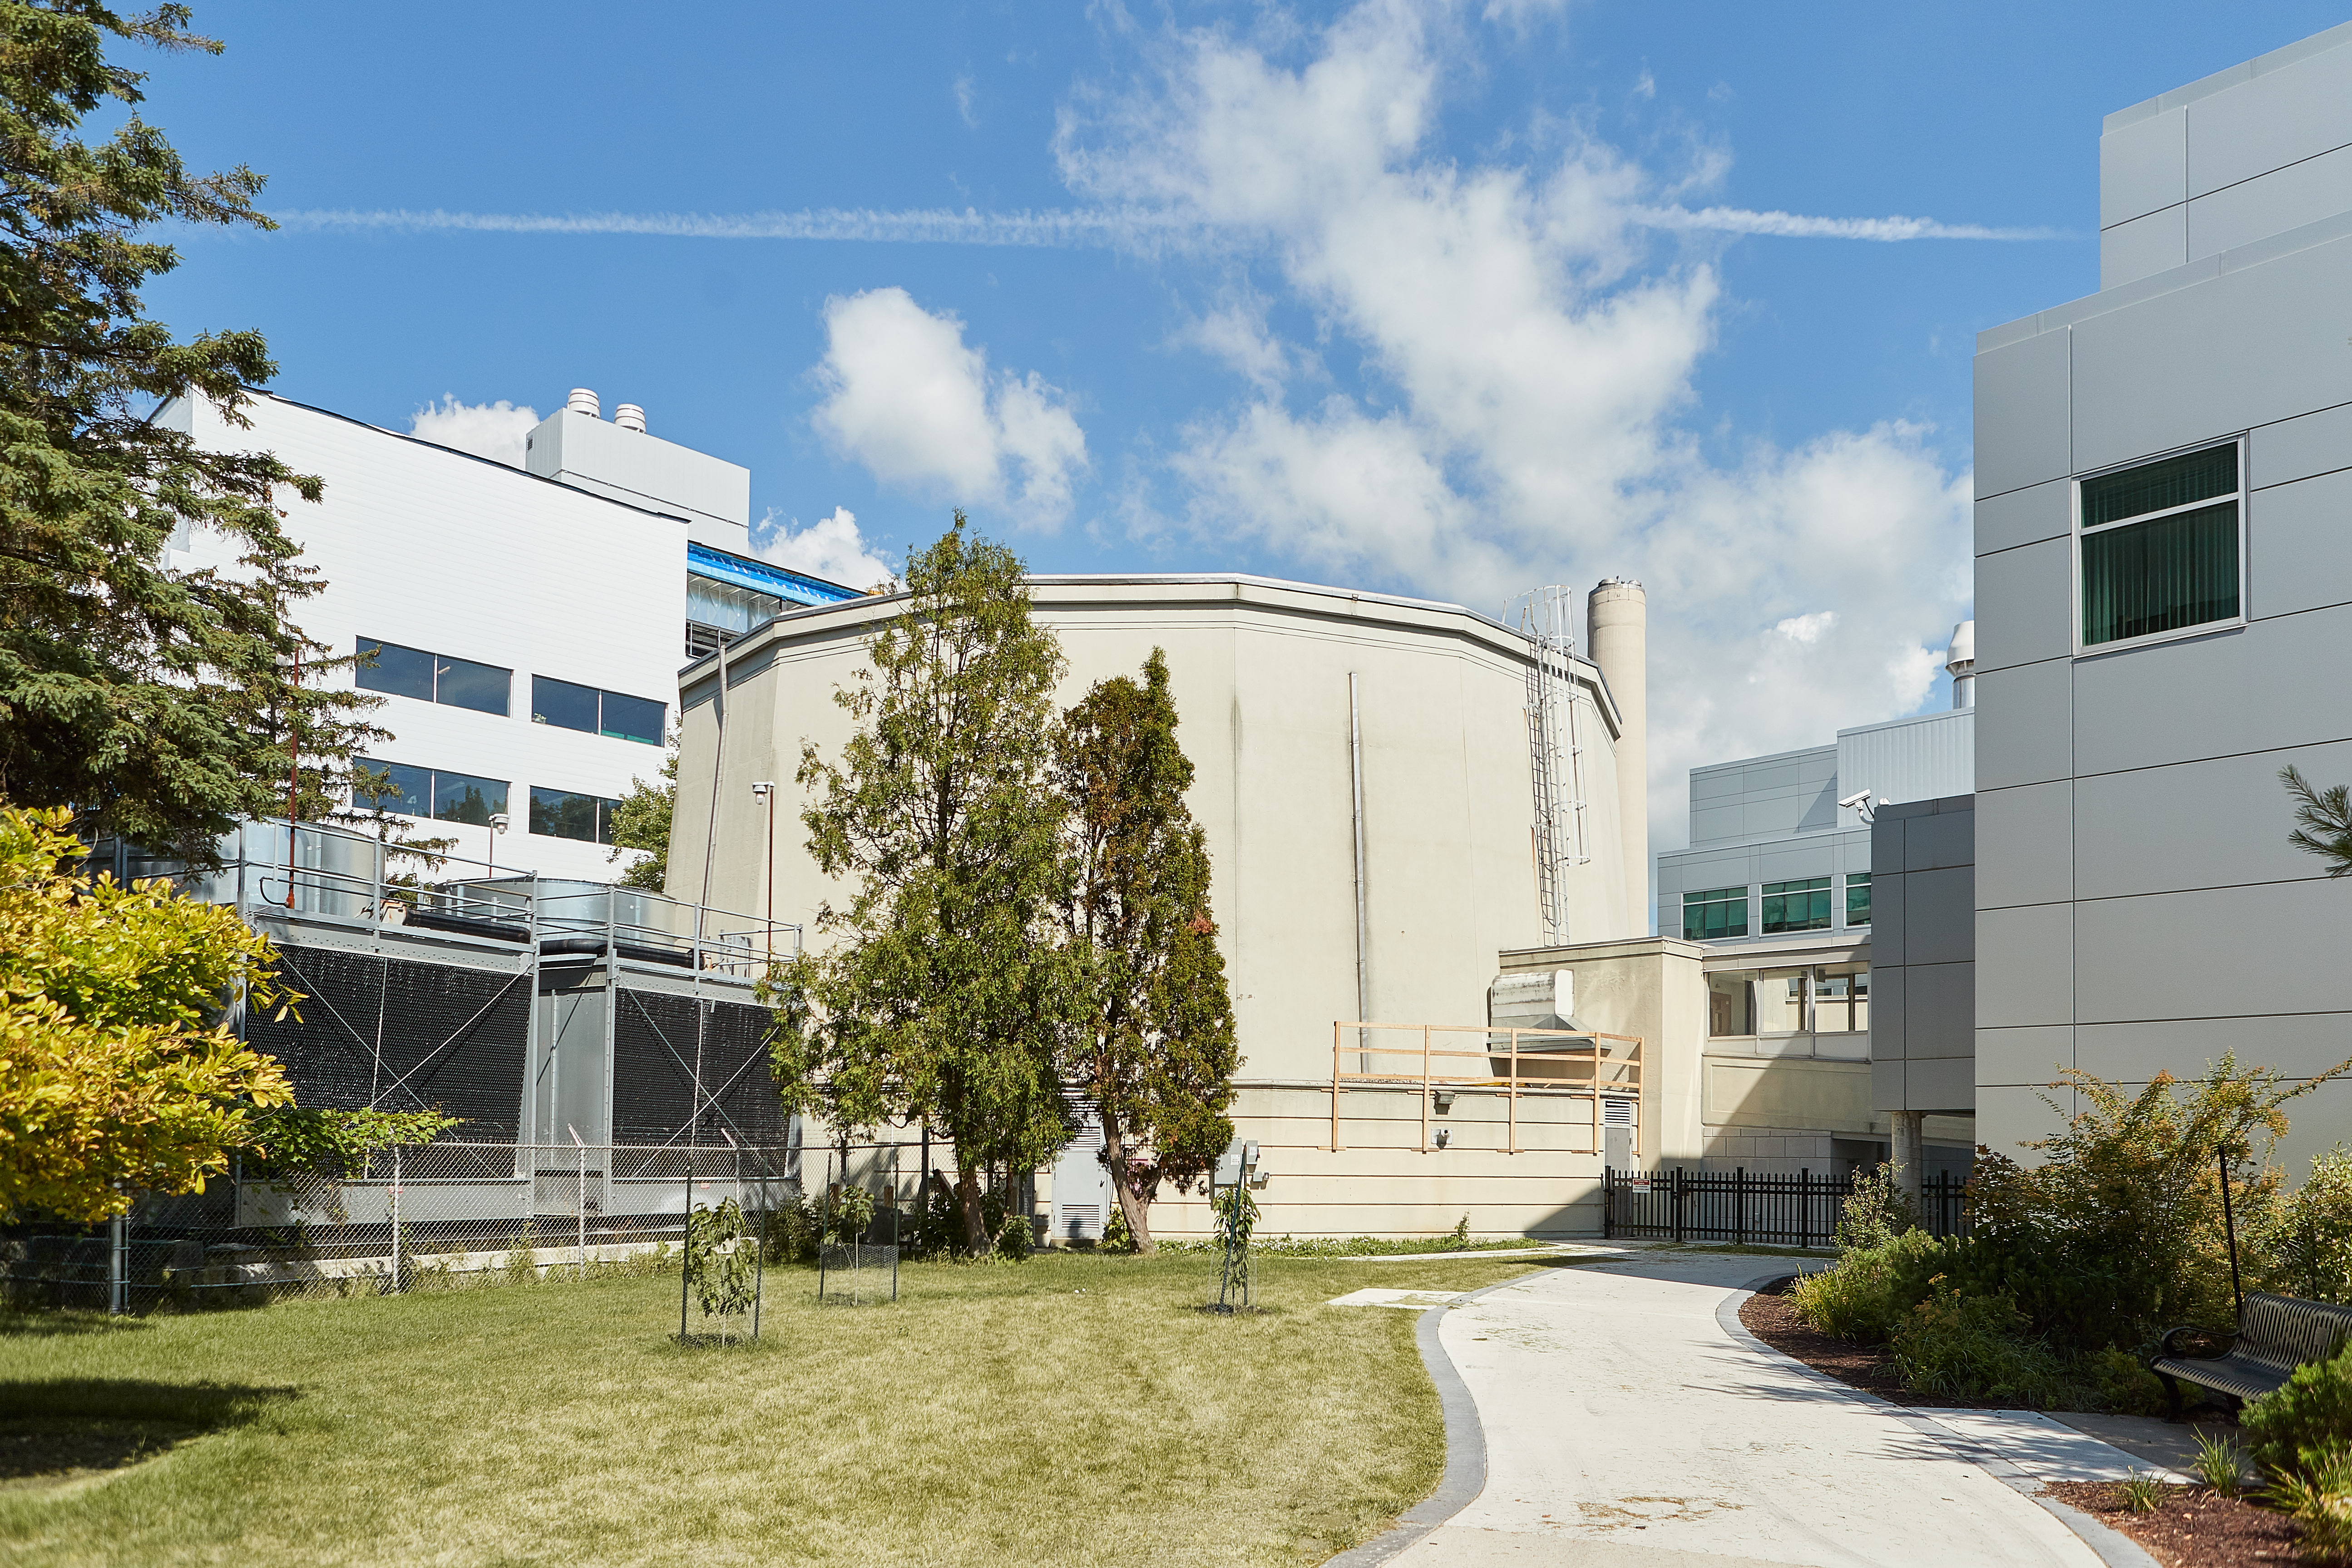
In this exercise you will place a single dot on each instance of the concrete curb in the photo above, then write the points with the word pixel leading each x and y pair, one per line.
pixel 1465 1451
pixel 2115 1549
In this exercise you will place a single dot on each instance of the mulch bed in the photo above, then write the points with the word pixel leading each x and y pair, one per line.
pixel 2195 1527
pixel 1768 1315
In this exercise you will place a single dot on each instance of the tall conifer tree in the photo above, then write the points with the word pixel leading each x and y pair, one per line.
pixel 1153 1041
pixel 162 703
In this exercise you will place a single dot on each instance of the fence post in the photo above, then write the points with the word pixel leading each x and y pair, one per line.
pixel 580 1197
pixel 1608 1204
pixel 397 1283
pixel 1739 1206
pixel 1804 1207
pixel 1678 1204
pixel 117 1265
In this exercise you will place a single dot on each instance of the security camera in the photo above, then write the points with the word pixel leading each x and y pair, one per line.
pixel 1859 798
pixel 498 821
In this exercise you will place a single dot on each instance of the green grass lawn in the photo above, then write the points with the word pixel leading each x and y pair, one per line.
pixel 1073 1409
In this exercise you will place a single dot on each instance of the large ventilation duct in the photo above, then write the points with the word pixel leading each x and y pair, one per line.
pixel 1961 661
pixel 1617 615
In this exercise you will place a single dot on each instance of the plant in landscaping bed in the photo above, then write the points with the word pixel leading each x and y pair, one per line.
pixel 1867 1295
pixel 2220 1464
pixel 2142 1493
pixel 1974 1347
pixel 1014 1241
pixel 2303 1245
pixel 1117 1236
pixel 1877 1211
pixel 2317 1495
pixel 2310 1414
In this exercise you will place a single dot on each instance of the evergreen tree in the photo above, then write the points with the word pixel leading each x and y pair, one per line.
pixel 1153 1041
pixel 162 704
pixel 943 1000
pixel 2322 820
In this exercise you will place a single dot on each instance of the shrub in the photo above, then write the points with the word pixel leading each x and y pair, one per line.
pixel 2303 1245
pixel 1867 1294
pixel 1974 1347
pixel 2317 1494
pixel 2122 1383
pixel 2311 1412
pixel 1117 1236
pixel 1014 1240
pixel 1877 1212
pixel 2220 1464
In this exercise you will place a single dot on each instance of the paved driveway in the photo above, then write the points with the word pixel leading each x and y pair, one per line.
pixel 1624 1427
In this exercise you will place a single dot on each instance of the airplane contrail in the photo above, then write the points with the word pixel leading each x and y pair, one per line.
pixel 1055 228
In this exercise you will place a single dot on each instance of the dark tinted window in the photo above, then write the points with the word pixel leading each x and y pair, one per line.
pixel 461 798
pixel 562 703
pixel 1719 912
pixel 2160 575
pixel 378 786
pixel 560 814
pixel 461 683
pixel 2155 487
pixel 633 718
pixel 1802 905
pixel 403 671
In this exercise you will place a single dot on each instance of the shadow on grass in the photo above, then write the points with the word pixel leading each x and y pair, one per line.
pixel 58 1431
pixel 17 1323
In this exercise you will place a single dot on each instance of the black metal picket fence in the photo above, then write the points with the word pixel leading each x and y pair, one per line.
pixel 1744 1207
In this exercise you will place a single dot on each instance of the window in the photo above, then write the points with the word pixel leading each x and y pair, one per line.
pixel 570 706
pixel 1841 1000
pixel 427 792
pixel 1721 913
pixel 432 677
pixel 562 814
pixel 1731 1003
pixel 1797 906
pixel 2160 547
pixel 1857 898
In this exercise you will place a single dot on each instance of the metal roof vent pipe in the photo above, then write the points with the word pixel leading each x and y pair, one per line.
pixel 582 401
pixel 1961 661
pixel 629 416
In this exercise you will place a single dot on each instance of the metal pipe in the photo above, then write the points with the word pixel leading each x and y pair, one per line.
pixel 118 1266
pixel 1363 926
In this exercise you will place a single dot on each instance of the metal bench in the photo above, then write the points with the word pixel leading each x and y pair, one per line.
pixel 2275 1335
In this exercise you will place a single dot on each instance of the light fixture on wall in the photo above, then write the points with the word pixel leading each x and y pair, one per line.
pixel 1444 1137
pixel 498 821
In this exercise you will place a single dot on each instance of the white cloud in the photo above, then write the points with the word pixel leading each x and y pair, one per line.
pixel 830 548
pixel 492 429
pixel 1530 383
pixel 907 397
pixel 962 91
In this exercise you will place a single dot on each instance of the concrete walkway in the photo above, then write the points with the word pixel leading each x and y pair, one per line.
pixel 1625 1426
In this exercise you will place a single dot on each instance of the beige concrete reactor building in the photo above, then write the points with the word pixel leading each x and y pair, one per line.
pixel 1402 801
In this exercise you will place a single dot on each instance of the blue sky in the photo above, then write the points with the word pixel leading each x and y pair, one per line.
pixel 1404 296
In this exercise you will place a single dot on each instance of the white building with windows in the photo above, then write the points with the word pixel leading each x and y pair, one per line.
pixel 527 624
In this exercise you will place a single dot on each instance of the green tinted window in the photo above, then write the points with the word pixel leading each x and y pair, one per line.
pixel 1797 906
pixel 2159 486
pixel 1720 913
pixel 1857 899
pixel 2160 575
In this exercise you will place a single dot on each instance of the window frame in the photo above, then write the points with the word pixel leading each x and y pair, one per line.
pixel 1846 921
pixel 2076 533
pixel 1747 904
pixel 1805 889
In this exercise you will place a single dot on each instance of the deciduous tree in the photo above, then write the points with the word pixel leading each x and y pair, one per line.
pixel 116 1074
pixel 1153 1041
pixel 943 1000
pixel 161 702
pixel 641 820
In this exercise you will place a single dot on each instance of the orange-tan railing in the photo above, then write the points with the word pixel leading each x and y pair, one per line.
pixel 1590 1063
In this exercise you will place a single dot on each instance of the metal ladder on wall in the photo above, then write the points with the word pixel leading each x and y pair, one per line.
pixel 1555 749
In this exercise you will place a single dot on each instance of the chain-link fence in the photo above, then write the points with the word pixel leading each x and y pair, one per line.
pixel 444 1216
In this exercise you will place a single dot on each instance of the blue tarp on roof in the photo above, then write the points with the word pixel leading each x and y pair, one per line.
pixel 793 587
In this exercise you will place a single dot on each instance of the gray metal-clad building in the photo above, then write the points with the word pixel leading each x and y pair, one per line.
pixel 2164 592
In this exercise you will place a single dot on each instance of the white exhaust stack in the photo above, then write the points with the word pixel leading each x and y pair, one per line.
pixel 1616 618
pixel 1961 660
pixel 629 416
pixel 584 400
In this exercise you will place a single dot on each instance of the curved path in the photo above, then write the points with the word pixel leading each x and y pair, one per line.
pixel 1627 1421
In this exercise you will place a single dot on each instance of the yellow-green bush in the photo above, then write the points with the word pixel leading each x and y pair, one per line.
pixel 1868 1292
pixel 1975 1347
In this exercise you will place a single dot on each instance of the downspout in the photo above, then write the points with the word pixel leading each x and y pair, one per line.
pixel 1363 927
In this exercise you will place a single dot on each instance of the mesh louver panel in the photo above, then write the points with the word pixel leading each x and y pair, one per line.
pixel 329 1052
pixel 654 1053
pixel 455 1040
pixel 735 1069
pixel 452 1039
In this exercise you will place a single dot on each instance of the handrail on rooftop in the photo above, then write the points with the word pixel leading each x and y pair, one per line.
pixel 1607 1072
